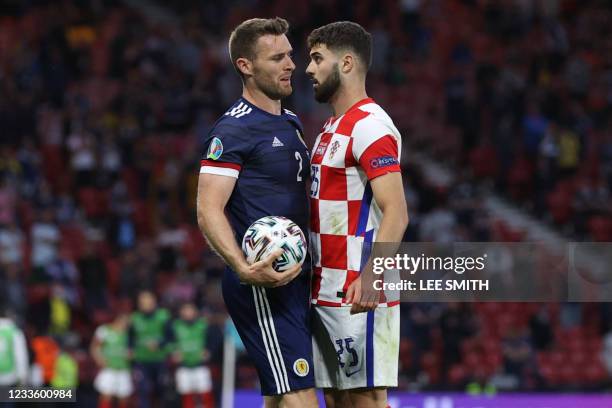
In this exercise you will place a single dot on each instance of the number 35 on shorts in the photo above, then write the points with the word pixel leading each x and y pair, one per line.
pixel 347 356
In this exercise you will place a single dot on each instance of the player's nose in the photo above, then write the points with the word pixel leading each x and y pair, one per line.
pixel 309 70
pixel 291 65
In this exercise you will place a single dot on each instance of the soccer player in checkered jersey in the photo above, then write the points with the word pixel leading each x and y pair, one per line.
pixel 256 165
pixel 357 198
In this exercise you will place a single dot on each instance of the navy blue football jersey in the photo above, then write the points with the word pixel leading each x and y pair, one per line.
pixel 268 156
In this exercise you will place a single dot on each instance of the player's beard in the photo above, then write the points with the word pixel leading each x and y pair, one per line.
pixel 266 84
pixel 327 88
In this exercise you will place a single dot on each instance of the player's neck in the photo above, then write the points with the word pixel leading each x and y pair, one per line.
pixel 259 99
pixel 347 97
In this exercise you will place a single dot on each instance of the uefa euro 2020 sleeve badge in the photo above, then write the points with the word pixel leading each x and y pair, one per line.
pixel 215 149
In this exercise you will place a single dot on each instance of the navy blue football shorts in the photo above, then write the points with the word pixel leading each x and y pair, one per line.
pixel 274 325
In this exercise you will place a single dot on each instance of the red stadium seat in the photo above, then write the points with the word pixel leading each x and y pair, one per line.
pixel 569 374
pixel 113 272
pixel 473 360
pixel 430 359
pixel 457 374
pixel 560 206
pixel 557 358
pixel 520 179
pixel 483 161
pixel 405 354
pixel 578 358
pixel 73 239
pixel 93 201
pixel 600 228
pixel 595 373
pixel 53 165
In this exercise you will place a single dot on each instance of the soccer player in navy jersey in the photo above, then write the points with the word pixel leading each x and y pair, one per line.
pixel 255 165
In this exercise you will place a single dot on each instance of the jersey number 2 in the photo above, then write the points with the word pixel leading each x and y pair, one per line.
pixel 298 157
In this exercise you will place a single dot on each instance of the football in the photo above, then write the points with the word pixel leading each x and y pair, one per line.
pixel 269 233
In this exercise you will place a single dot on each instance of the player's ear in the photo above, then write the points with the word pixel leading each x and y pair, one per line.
pixel 245 66
pixel 347 63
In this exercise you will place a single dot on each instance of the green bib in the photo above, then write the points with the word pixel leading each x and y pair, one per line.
pixel 66 372
pixel 7 350
pixel 115 348
pixel 149 329
pixel 190 341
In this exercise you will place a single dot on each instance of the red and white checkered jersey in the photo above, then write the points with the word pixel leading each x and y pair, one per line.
pixel 350 151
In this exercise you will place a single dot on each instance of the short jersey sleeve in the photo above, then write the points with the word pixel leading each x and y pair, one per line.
pixel 375 148
pixel 225 150
pixel 100 333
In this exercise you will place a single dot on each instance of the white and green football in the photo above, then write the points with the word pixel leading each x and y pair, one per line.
pixel 269 233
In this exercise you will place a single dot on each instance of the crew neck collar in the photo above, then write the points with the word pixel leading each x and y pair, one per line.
pixel 257 108
pixel 356 105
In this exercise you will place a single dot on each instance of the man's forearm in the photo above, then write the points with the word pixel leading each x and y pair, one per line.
pixel 391 231
pixel 393 225
pixel 217 230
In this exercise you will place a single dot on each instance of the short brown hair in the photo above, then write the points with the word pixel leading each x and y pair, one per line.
pixel 244 37
pixel 344 35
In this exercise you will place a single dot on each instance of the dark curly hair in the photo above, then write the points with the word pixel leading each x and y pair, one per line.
pixel 344 35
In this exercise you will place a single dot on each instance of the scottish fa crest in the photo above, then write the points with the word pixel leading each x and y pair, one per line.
pixel 301 367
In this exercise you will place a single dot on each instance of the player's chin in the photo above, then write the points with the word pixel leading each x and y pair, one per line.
pixel 285 89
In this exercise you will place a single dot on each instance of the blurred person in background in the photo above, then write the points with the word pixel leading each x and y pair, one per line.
pixel 13 291
pixel 606 353
pixel 93 277
pixel 518 356
pixel 66 368
pixel 46 351
pixel 193 381
pixel 109 349
pixel 148 336
pixel 45 236
pixel 456 325
pixel 12 242
pixel 13 352
pixel 60 313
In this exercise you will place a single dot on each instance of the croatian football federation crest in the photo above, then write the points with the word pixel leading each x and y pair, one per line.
pixel 334 149
pixel 215 149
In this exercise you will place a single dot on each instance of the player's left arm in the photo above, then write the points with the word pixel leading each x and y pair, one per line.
pixel 388 192
pixel 378 156
pixel 95 349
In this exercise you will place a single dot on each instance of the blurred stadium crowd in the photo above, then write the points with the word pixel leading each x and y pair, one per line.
pixel 103 107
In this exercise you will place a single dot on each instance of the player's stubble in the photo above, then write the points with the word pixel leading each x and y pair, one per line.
pixel 269 86
pixel 326 89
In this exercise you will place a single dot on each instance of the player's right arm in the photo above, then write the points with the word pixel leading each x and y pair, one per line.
pixel 21 357
pixel 214 192
pixel 95 349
